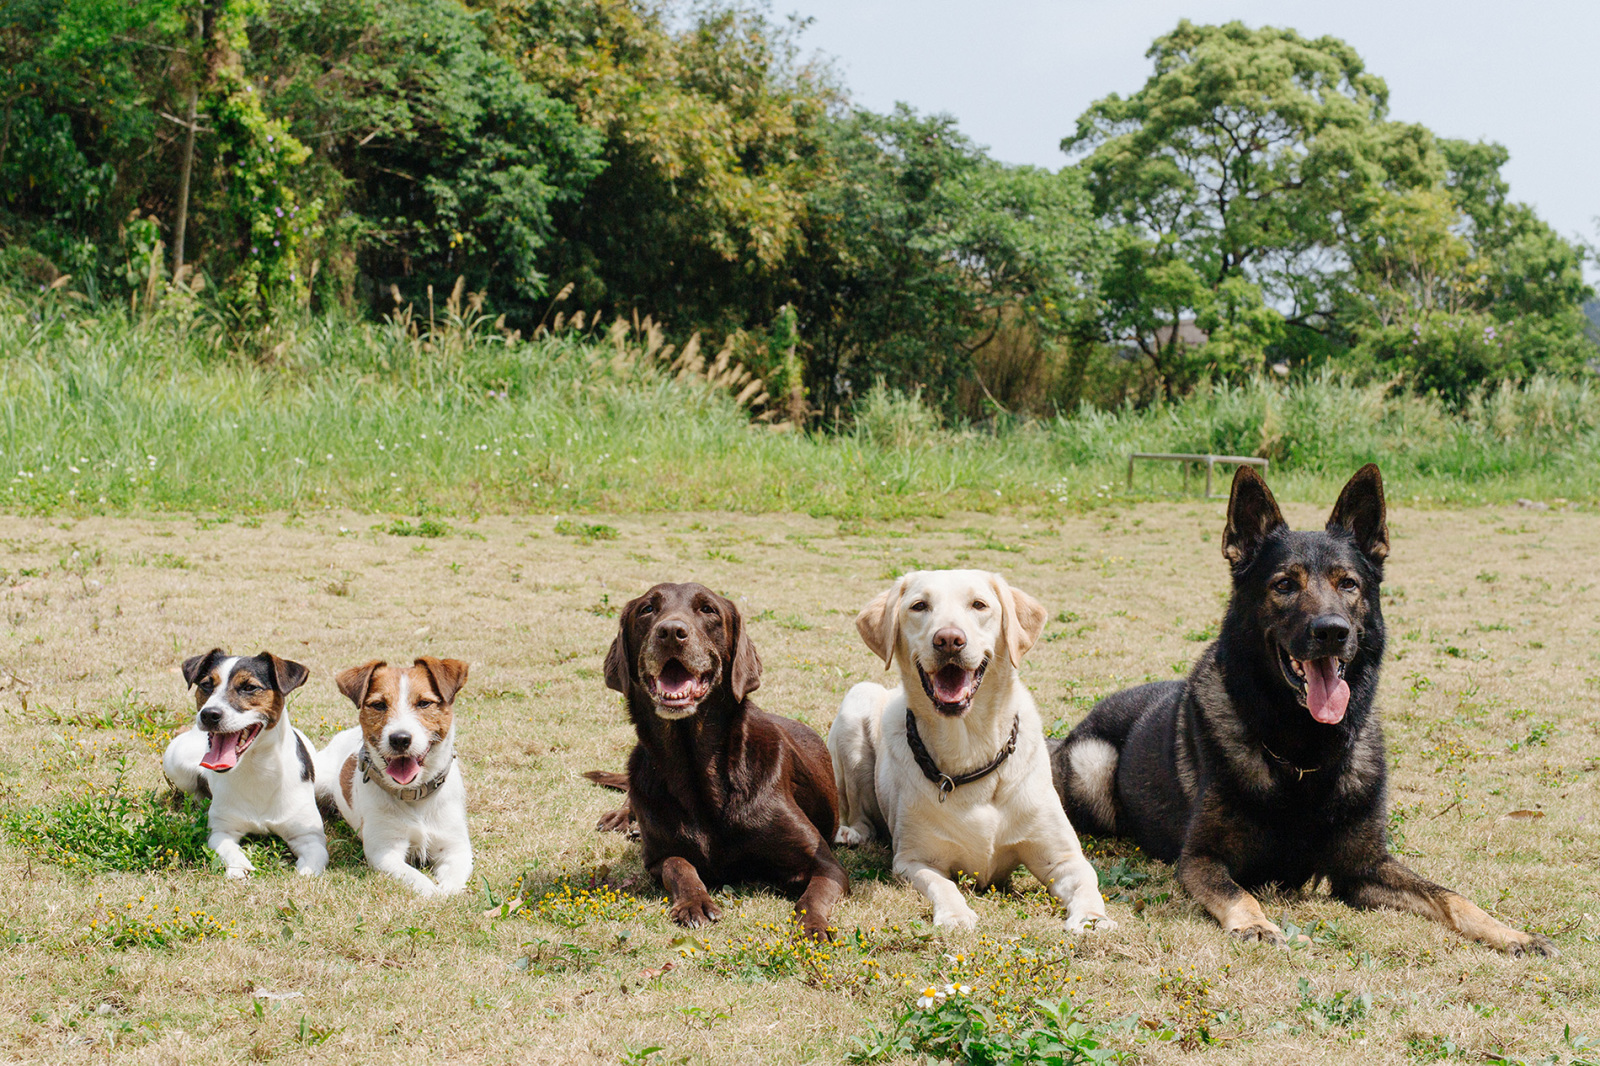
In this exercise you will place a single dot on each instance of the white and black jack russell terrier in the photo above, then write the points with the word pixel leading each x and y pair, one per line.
pixel 394 777
pixel 242 752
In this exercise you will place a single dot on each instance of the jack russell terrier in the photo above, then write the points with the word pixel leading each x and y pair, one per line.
pixel 394 777
pixel 243 754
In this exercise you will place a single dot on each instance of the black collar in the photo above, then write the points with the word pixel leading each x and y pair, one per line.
pixel 414 792
pixel 1301 771
pixel 930 769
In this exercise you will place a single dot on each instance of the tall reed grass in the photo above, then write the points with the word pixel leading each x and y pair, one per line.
pixel 107 414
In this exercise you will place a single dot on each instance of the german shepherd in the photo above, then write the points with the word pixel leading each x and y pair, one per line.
pixel 1266 766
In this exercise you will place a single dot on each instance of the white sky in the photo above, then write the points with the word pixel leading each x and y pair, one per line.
pixel 1017 73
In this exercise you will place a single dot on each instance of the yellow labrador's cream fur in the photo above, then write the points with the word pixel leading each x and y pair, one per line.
pixel 972 621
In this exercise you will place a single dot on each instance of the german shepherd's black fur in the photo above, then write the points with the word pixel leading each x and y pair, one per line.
pixel 1266 766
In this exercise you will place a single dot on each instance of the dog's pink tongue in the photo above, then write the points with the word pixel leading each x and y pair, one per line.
pixel 223 753
pixel 404 769
pixel 1327 695
pixel 950 683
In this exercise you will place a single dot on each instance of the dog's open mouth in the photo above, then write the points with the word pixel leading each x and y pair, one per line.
pixel 677 688
pixel 952 686
pixel 227 748
pixel 1320 684
pixel 403 769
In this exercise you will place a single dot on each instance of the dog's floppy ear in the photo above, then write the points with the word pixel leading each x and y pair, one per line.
pixel 448 675
pixel 744 673
pixel 1360 511
pixel 619 660
pixel 879 621
pixel 287 675
pixel 1252 516
pixel 354 681
pixel 196 668
pixel 1022 619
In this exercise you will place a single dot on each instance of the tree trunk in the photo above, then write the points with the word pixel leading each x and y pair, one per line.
pixel 185 168
pixel 198 71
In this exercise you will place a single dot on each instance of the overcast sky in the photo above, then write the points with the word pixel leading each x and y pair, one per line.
pixel 1017 73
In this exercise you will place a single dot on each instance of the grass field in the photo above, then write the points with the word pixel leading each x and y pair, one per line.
pixel 562 952
pixel 103 415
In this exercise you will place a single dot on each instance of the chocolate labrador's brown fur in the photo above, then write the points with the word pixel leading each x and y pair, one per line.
pixel 721 790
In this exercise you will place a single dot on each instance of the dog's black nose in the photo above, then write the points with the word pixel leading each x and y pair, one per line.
pixel 1330 629
pixel 399 741
pixel 949 639
pixel 210 718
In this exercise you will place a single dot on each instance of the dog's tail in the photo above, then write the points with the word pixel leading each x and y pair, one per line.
pixel 1083 765
pixel 608 779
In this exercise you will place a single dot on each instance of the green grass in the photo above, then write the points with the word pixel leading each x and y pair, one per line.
pixel 113 829
pixel 107 415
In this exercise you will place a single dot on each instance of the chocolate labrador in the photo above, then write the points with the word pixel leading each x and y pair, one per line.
pixel 721 790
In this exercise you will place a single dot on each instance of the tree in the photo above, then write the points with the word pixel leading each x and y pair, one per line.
pixel 1238 165
pixel 923 247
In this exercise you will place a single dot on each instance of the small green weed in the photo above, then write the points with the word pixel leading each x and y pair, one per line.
pixel 586 532
pixel 947 1025
pixel 131 927
pixel 430 528
pixel 1344 1008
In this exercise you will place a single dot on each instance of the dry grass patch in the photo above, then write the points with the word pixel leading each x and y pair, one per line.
pixel 562 951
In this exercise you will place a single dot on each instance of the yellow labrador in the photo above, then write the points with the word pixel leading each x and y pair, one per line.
pixel 951 766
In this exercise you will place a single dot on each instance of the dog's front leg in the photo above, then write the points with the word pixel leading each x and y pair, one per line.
pixel 1072 881
pixel 949 906
pixel 691 903
pixel 390 858
pixel 1393 885
pixel 310 852
pixel 1206 878
pixel 234 860
pixel 453 867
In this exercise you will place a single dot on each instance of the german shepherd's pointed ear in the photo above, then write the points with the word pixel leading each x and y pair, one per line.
pixel 448 675
pixel 1360 512
pixel 287 675
pixel 744 673
pixel 619 659
pixel 354 681
pixel 1022 619
pixel 879 621
pixel 1253 516
pixel 197 667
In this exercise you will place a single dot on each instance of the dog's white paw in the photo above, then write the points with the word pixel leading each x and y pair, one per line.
pixel 308 870
pixel 1089 923
pixel 965 918
pixel 239 873
pixel 849 836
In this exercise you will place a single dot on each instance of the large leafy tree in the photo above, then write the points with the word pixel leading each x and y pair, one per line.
pixel 923 247
pixel 1264 192
pixel 440 158
pixel 1236 168
pixel 712 130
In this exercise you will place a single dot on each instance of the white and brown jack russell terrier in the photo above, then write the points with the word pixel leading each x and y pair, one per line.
pixel 394 777
pixel 242 752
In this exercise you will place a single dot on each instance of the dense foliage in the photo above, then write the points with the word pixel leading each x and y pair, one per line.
pixel 1253 206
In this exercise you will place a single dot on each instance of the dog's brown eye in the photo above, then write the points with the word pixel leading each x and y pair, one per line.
pixel 648 608
pixel 918 606
pixel 377 705
pixel 1284 585
pixel 1349 584
pixel 426 705
pixel 706 608
pixel 979 605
